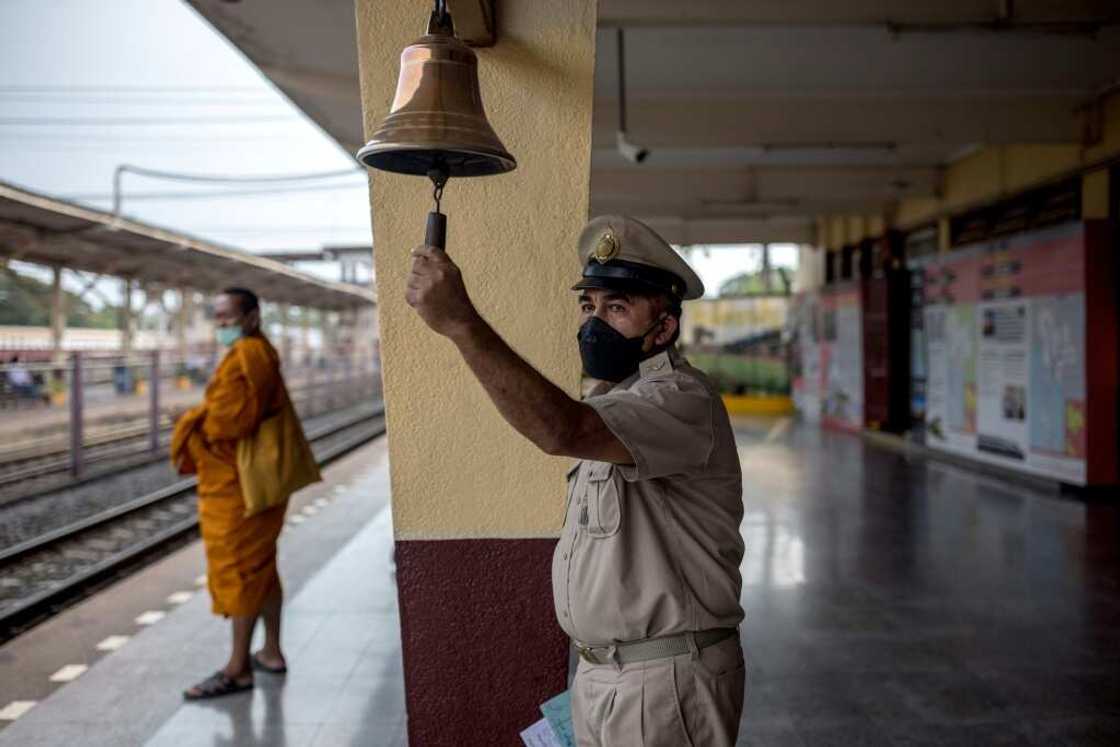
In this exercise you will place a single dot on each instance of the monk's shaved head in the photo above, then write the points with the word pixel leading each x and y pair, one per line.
pixel 246 299
pixel 238 306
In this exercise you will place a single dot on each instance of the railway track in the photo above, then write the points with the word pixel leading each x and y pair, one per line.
pixel 41 575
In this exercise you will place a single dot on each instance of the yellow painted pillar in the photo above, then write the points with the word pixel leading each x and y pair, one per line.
pixel 1095 195
pixel 837 235
pixel 856 229
pixel 476 508
pixel 876 226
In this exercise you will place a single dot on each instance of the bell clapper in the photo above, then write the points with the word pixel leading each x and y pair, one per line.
pixel 436 234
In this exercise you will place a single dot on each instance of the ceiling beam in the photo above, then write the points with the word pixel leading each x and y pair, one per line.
pixel 758 192
pixel 636 13
pixel 680 231
pixel 803 122
pixel 766 182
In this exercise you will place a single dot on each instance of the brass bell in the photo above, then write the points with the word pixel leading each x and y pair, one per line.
pixel 437 126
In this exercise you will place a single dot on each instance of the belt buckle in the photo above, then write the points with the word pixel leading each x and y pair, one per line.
pixel 585 654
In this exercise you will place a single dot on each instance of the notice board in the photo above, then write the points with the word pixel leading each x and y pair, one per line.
pixel 1005 337
pixel 828 383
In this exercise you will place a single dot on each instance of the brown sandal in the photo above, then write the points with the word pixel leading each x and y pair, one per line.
pixel 215 686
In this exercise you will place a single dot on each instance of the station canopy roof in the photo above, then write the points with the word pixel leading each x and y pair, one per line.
pixel 762 115
pixel 44 230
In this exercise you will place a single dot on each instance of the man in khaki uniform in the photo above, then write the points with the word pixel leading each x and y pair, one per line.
pixel 646 574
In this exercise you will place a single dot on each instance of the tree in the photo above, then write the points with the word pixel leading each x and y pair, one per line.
pixel 26 302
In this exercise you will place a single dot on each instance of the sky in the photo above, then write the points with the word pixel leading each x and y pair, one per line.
pixel 88 85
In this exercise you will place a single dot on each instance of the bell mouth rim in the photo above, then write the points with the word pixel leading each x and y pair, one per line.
pixel 394 164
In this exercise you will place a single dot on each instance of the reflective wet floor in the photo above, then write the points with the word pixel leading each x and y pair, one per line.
pixel 912 603
pixel 889 602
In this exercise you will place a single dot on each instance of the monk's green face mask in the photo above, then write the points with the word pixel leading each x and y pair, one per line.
pixel 229 335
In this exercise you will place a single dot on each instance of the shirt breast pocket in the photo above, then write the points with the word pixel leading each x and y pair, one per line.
pixel 572 478
pixel 604 502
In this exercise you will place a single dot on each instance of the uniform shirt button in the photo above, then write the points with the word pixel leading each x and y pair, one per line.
pixel 565 614
pixel 564 556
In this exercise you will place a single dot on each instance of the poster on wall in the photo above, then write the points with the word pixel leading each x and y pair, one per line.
pixel 1001 376
pixel 919 367
pixel 806 354
pixel 1057 435
pixel 1005 347
pixel 841 360
pixel 951 382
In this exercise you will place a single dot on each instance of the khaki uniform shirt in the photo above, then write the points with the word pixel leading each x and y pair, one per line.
pixel 654 549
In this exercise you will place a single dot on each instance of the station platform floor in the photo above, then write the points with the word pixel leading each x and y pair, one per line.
pixel 340 631
pixel 889 601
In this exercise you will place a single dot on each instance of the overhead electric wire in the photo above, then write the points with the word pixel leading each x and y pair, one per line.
pixel 156 196
pixel 179 176
pixel 129 88
pixel 276 229
pixel 122 169
pixel 51 99
pixel 98 139
pixel 129 121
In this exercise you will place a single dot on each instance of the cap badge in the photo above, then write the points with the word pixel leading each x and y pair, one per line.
pixel 606 249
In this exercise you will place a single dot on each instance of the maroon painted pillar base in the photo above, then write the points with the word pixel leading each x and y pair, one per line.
pixel 481 646
pixel 1102 354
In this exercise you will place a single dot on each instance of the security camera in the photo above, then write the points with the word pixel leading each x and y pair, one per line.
pixel 629 151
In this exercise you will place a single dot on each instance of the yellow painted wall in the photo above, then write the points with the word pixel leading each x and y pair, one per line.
pixel 998 172
pixel 916 211
pixel 837 232
pixel 876 226
pixel 1109 144
pixel 822 232
pixel 730 319
pixel 457 469
pixel 857 229
pixel 1094 194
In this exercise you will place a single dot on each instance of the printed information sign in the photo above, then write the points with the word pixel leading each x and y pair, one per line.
pixel 1005 350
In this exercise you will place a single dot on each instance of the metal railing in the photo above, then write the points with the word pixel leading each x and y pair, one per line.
pixel 98 407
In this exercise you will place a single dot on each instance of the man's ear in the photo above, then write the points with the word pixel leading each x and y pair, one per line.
pixel 669 327
pixel 253 320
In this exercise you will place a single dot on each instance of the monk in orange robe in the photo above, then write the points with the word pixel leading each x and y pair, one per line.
pixel 240 551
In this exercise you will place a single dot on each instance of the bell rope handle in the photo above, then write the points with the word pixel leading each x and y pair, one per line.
pixel 436 234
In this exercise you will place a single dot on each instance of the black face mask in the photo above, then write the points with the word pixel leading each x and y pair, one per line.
pixel 607 354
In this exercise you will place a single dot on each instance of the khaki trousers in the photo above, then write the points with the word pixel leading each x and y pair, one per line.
pixel 690 700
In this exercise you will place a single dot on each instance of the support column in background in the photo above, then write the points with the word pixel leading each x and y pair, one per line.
pixel 285 313
pixel 767 281
pixel 125 315
pixel 58 314
pixel 305 335
pixel 183 320
pixel 77 416
pixel 153 402
pixel 477 508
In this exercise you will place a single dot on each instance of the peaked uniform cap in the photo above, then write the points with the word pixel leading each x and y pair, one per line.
pixel 622 253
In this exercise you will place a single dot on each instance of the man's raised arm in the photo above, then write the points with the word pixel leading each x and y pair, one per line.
pixel 538 409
